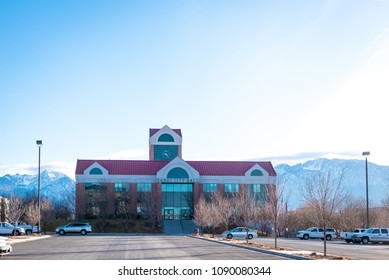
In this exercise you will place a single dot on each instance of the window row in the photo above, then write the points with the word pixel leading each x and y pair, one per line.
pixel 146 187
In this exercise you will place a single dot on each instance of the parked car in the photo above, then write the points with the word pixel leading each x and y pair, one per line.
pixel 316 232
pixel 5 246
pixel 240 232
pixel 374 235
pixel 7 228
pixel 27 228
pixel 347 236
pixel 76 227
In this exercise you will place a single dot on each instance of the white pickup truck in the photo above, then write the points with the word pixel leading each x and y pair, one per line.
pixel 5 246
pixel 374 235
pixel 316 232
pixel 347 236
pixel 27 228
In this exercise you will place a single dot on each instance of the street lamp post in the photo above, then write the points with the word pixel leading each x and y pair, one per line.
pixel 367 189
pixel 39 143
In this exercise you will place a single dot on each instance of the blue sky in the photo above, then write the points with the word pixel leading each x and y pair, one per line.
pixel 284 81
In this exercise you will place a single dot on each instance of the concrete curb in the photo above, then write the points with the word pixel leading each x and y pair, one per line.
pixel 288 256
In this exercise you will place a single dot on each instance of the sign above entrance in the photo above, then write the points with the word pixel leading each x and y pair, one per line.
pixel 178 180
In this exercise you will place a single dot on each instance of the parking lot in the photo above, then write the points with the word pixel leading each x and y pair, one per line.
pixel 130 247
pixel 154 247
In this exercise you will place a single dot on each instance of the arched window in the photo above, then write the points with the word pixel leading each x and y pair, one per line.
pixel 165 138
pixel 256 172
pixel 177 173
pixel 96 171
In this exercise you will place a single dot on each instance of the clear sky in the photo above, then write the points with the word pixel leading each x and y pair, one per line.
pixel 284 81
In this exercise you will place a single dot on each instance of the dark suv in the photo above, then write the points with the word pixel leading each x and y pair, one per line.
pixel 76 227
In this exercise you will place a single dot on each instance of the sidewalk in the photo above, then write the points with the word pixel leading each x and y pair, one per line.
pixel 26 238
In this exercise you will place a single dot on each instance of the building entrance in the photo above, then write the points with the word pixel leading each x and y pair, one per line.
pixel 177 201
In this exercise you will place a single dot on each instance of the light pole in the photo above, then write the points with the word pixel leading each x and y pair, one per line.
pixel 367 189
pixel 39 143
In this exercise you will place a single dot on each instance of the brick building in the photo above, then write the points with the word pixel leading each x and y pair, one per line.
pixel 166 182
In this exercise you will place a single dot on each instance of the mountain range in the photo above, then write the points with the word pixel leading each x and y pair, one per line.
pixel 58 187
pixel 354 181
pixel 55 186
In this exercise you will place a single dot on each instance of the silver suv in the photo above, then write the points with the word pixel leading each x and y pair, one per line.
pixel 76 227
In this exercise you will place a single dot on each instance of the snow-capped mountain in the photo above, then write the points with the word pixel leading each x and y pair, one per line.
pixel 55 186
pixel 354 180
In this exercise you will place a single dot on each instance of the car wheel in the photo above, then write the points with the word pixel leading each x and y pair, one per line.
pixel 365 240
pixel 250 236
pixel 83 232
pixel 28 231
pixel 61 232
pixel 16 232
pixel 348 241
pixel 306 237
pixel 229 236
pixel 328 237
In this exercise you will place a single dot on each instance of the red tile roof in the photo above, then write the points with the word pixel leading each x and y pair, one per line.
pixel 145 167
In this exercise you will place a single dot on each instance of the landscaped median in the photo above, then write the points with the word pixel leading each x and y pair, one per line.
pixel 280 251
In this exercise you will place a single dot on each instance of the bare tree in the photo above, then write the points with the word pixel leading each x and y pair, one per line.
pixel 3 208
pixel 201 212
pixel 206 214
pixel 324 194
pixel 225 208
pixel 16 209
pixel 383 215
pixel 47 213
pixel 31 215
pixel 150 211
pixel 352 214
pixel 248 209
pixel 123 206
pixel 276 207
pixel 66 207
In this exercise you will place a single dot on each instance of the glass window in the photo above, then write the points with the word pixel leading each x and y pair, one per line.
pixel 143 187
pixel 96 171
pixel 120 187
pixel 165 138
pixel 96 200
pixel 177 201
pixel 256 188
pixel 231 187
pixel 209 188
pixel 177 173
pixel 256 172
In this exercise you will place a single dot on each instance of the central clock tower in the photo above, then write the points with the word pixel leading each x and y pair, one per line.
pixel 165 143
